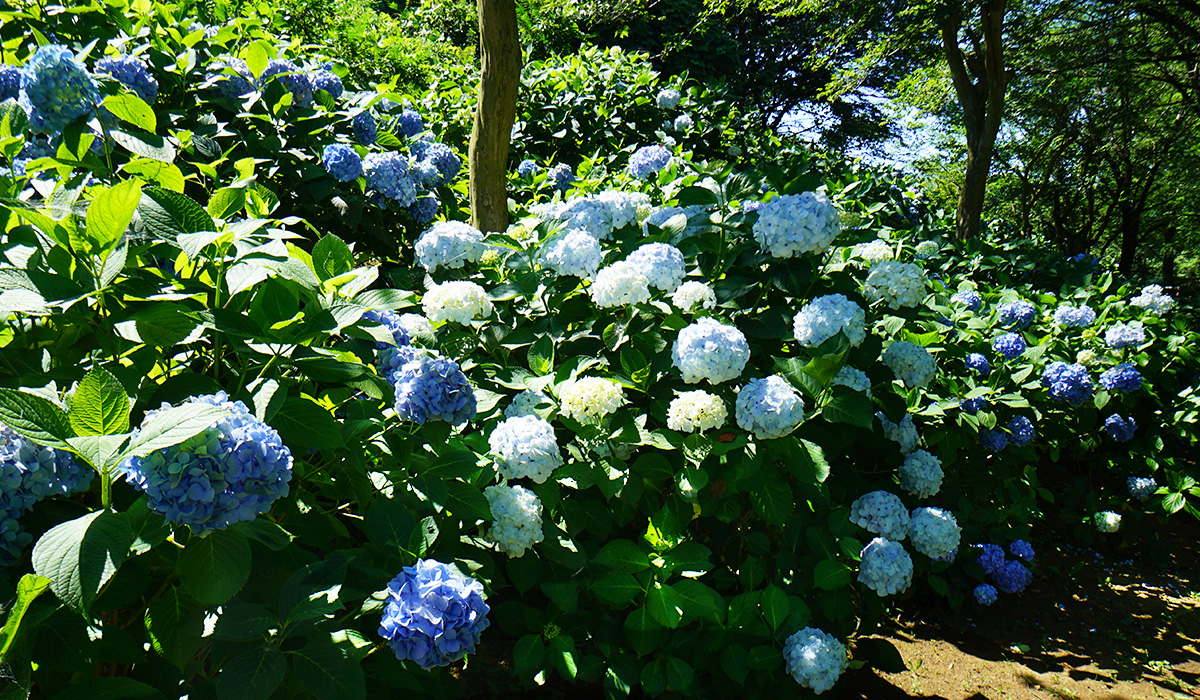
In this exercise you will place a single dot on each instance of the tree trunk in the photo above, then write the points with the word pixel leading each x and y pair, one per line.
pixel 1170 253
pixel 1131 225
pixel 499 81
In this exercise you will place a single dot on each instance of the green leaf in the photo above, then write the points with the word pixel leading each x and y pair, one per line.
pixel 133 110
pixel 623 555
pixel 168 214
pixel 13 119
pixel 81 555
pixel 244 622
pixel 332 257
pixel 305 424
pixel 773 499
pixel 816 454
pixel 251 675
pixel 390 524
pixel 616 587
pixel 881 654
pixel 36 418
pixel 852 408
pixel 680 675
pixel 119 688
pixel 172 427
pixel 831 574
pixel 144 144
pixel 98 450
pixel 100 405
pixel 541 356
pixel 165 174
pixel 775 606
pixel 174 624
pixel 28 589
pixel 699 600
pixel 528 655
pixel 313 590
pixel 664 605
pixel 257 58
pixel 562 655
pixel 226 201
pixel 109 215
pixel 1173 502
pixel 215 567
pixel 329 671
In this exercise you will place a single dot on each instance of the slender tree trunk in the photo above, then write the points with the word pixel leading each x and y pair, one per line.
pixel 1131 228
pixel 1170 253
pixel 499 81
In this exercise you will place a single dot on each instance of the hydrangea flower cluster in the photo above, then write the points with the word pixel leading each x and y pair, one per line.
pixel 856 379
pixel 991 557
pixel 1020 430
pixel 898 284
pixel 934 532
pixel 449 244
pixel 387 174
pixel 973 405
pixel 823 317
pixel 1087 357
pixel 968 298
pixel 230 472
pixel 28 473
pixel 815 659
pixel 445 165
pixel 1009 345
pixel 418 327
pixel 323 78
pixel 434 388
pixel 1074 317
pixel 874 252
pixel 10 82
pixel 1153 300
pixel 55 89
pixel 696 411
pixel 620 284
pixel 231 77
pixel 364 128
pixel 1009 576
pixel 668 98
pixel 516 518
pixel 560 177
pixel 904 433
pixel 1018 314
pixel 978 363
pixel 391 358
pixel 457 301
pixel 1021 549
pixel 1066 382
pixel 342 162
pixel 1013 577
pixel 1123 377
pixel 921 474
pixel 647 161
pixel 293 79
pixel 796 224
pixel 683 123
pixel 992 440
pixel 911 363
pixel 881 512
pixel 423 209
pixel 410 123
pixel 132 73
pixel 985 594
pixel 526 404
pixel 589 399
pixel 1120 429
pixel 1107 521
pixel 1141 487
pixel 769 408
pixel 662 264
pixel 576 253
pixel 525 446
pixel 433 615
pixel 690 295
pixel 708 349
pixel 885 567
pixel 926 250
pixel 1123 335
pixel 527 168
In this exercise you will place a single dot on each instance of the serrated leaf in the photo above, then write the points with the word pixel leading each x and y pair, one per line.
pixel 332 257
pixel 699 600
pixel 165 174
pixel 100 405
pixel 831 574
pixel 528 654
pixel 623 555
pixel 251 675
pixel 174 623
pixel 133 110
pixel 616 587
pixel 312 591
pixel 775 606
pixel 172 427
pixel 329 671
pixel 541 356
pixel 664 605
pixel 28 589
pixel 243 622
pixel 214 568
pixel 81 555
pixel 226 201
pixel 109 215
pixel 144 144
pixel 304 424
pixel 36 418
pixel 854 409
pixel 773 499
pixel 168 214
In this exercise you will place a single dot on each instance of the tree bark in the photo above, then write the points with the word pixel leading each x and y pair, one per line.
pixel 495 112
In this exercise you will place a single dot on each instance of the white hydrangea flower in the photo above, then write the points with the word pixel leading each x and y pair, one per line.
pixel 885 567
pixel 769 408
pixel 689 295
pixel 898 284
pixel 621 208
pixel 823 317
pixel 668 98
pixel 580 213
pixel 417 327
pixel 516 518
pixel 934 532
pixel 460 302
pixel 525 404
pixel 590 398
pixel 881 512
pixel 1107 521
pixel 620 284
pixel 815 659
pixel 904 432
pixel 574 253
pixel 926 250
pixel 873 252
pixel 1087 358
pixel 856 379
pixel 921 474
pixel 797 224
pixel 662 264
pixel 1153 300
pixel 911 363
pixel 449 244
pixel 708 349
pixel 525 446
pixel 696 411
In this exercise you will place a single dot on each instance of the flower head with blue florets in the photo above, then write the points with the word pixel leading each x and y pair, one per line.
pixel 885 567
pixel 231 77
pixel 560 177
pixel 797 224
pixel 364 128
pixel 1124 335
pixel 434 388
pixel 574 253
pixel 1020 430
pixel 1074 317
pixel 662 264
pixel 411 123
pixel 525 446
pixel 433 615
pixel 647 161
pixel 708 349
pixel 1153 300
pixel 449 244
pixel 992 440
pixel 973 405
pixel 691 295
pixel 132 73
pixel 56 89
pixel 527 168
pixel 978 363
pixel 1107 521
pixel 1121 429
pixel 1021 549
pixel 1123 377
pixel 10 82
pixel 769 408
pixel 1066 382
pixel 516 518
pixel 934 532
pixel 1012 577
pixel 327 80
pixel 904 433
pixel 911 363
pixel 921 474
pixel 293 79
pixel 991 557
pixel 423 209
pixel 387 174
pixel 1017 314
pixel 342 162
pixel 882 513
pixel 444 160
pixel 391 356
pixel 815 659
pixel 1009 345
pixel 985 594
pixel 1141 487
pixel 968 298
pixel 824 317
pixel 897 284
pixel 683 123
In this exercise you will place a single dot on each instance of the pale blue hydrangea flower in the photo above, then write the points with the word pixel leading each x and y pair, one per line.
pixel 526 403
pixel 293 79
pixel 1124 377
pixel 856 379
pixel 647 161
pixel 974 405
pixel 527 168
pixel 912 364
pixel 232 77
pixel 661 263
pixel 516 518
pixel 56 89
pixel 30 472
pixel 691 295
pixel 342 162
pixel 708 349
pixel 387 174
pixel 434 388
pixel 433 615
pixel 769 408
pixel 897 284
pixel 968 298
pixel 1121 429
pixel 904 433
pixel 985 594
pixel 1020 430
pixel 525 446
pixel 921 474
pixel 815 659
pixel 10 82
pixel 1017 314
pixel 131 72
pixel 823 317
pixel 423 209
pixel 449 244
pixel 1074 317
pixel 230 472
pixel 1066 382
pixel 1141 487
pixel 1125 336
pixel 391 357
pixel 1153 300
pixel 668 98
pixel 444 160
pixel 560 177
pixel 325 79
pixel 1107 521
pixel 797 224
pixel 934 532
pixel 575 253
pixel 1009 345
pixel 885 567
pixel 620 284
pixel 882 513
pixel 683 123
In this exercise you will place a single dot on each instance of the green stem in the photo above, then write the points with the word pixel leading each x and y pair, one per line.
pixel 106 489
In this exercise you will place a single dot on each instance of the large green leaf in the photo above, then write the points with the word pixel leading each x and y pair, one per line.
pixel 664 604
pixel 109 215
pixel 81 555
pixel 831 575
pixel 169 214
pixel 28 589
pixel 775 607
pixel 133 110
pixel 100 405
pixel 852 408
pixel 329 671
pixel 35 417
pixel 623 555
pixel 144 144
pixel 214 568
pixel 332 257
pixel 252 674
pixel 305 424
pixel 174 624
pixel 773 498
pixel 616 587
pixel 173 426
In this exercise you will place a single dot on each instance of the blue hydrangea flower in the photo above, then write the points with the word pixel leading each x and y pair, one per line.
pixel 561 176
pixel 973 406
pixel 132 73
pixel 525 446
pixel 1123 377
pixel 1022 549
pixel 364 127
pixel 424 209
pixel 885 567
pixel 30 472
pixel 1141 487
pixel 881 512
pixel 391 358
pixel 527 168
pixel 434 615
pixel 13 537
pixel 1021 430
pixel 425 174
pixel 1125 336
pixel 1074 317
pixel 708 349
pixel 992 440
pixel 1121 429
pixel 444 160
pixel 991 557
pixel 1009 345
pixel 293 79
pixel 387 173
pixel 434 388
pixel 231 472
pixel 342 162
pixel 683 123
pixel 968 298
pixel 662 264
pixel 410 123
pixel 1018 314
pixel 1012 577
pixel 233 77
pixel 56 89
pixel 10 82
pixel 979 363
pixel 647 161
pixel 934 532
pixel 327 80
pixel 815 659
pixel 985 594
pixel 769 408
pixel 1066 382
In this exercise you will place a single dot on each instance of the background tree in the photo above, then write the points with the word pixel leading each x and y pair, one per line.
pixel 495 111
